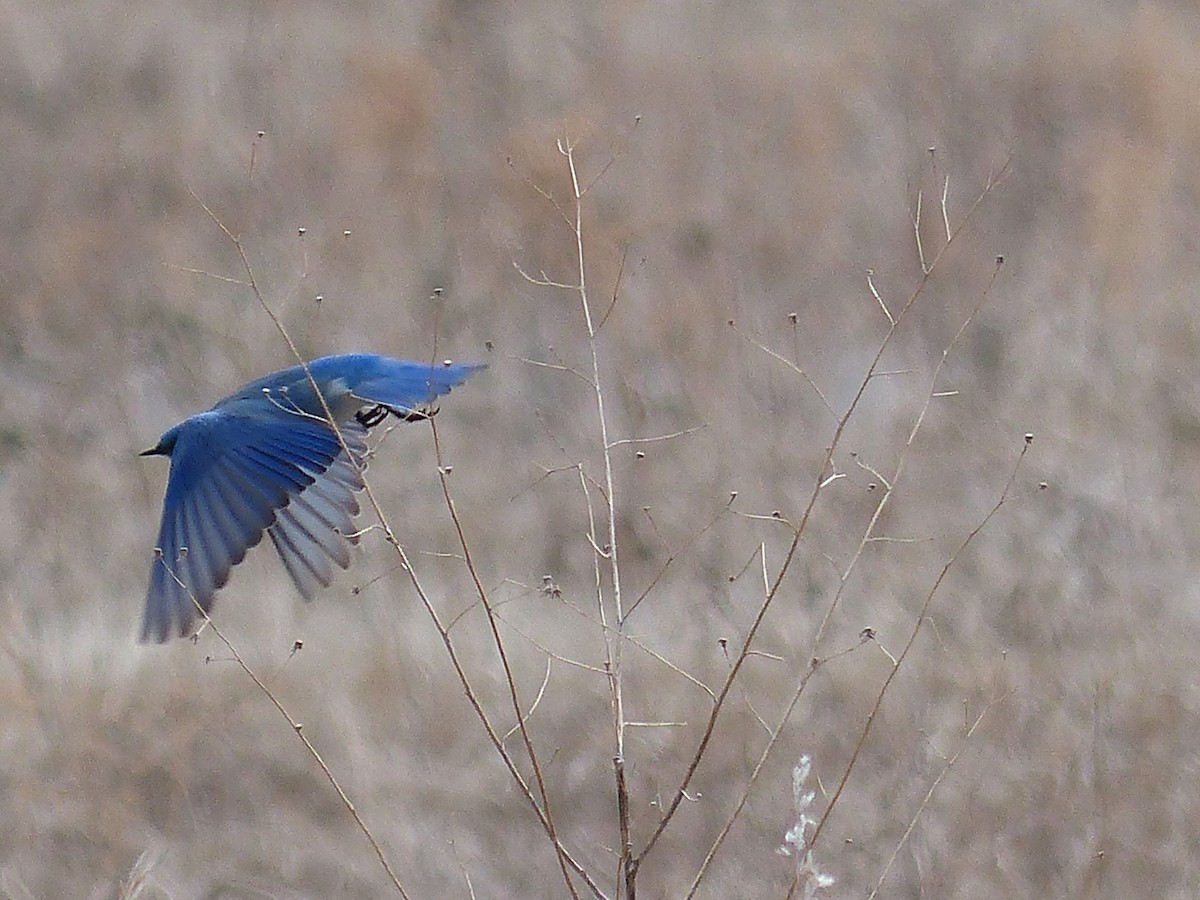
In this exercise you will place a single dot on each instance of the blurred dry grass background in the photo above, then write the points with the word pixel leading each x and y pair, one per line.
pixel 777 159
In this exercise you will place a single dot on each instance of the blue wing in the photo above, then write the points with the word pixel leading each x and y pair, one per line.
pixel 235 475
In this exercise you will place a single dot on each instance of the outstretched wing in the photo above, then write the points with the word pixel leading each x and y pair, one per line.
pixel 233 476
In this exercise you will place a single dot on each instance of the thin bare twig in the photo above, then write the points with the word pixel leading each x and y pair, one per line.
pixel 945 770
pixel 875 293
pixel 616 294
pixel 787 362
pixel 695 536
pixel 657 438
pixel 916 224
pixel 534 705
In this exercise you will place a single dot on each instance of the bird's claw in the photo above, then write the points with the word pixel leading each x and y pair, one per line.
pixel 369 418
pixel 417 415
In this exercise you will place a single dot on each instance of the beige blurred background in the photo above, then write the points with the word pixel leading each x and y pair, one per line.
pixel 778 157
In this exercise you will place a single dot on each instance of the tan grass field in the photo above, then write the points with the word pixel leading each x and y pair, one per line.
pixel 744 163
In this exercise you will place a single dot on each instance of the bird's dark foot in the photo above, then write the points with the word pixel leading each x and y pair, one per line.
pixel 369 418
pixel 417 415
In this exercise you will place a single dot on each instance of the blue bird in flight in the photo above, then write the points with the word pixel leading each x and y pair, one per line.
pixel 266 459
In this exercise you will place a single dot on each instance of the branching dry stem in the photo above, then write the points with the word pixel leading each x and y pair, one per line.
pixel 539 803
pixel 613 630
pixel 799 530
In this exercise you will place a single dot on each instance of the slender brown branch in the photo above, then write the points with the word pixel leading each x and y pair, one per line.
pixel 772 741
pixel 945 770
pixel 297 729
pixel 912 639
pixel 502 653
pixel 613 632
pixel 890 484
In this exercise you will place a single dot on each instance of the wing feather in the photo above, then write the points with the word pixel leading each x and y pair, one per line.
pixel 233 476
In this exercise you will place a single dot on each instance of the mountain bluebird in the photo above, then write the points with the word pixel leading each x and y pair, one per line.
pixel 266 459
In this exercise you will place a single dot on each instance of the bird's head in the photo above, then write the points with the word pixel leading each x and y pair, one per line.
pixel 165 444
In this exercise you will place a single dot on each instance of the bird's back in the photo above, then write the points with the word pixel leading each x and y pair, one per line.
pixel 365 378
